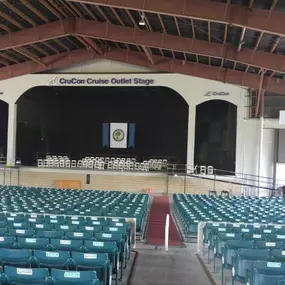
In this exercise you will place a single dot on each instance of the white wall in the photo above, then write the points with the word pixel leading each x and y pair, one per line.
pixel 192 89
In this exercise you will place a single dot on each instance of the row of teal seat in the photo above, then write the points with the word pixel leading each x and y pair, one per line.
pixel 192 209
pixel 66 202
pixel 24 276
pixel 56 253
pixel 239 252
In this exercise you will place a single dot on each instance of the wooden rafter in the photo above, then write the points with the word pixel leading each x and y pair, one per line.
pixel 78 12
pixel 18 12
pixel 34 10
pixel 241 40
pixel 88 11
pixel 29 55
pixel 40 50
pixel 161 23
pixel 209 31
pixel 132 18
pixel 65 5
pixel 275 45
pixel 258 41
pixel 51 8
pixel 5 55
pixel 55 5
pixel 193 29
pixel 250 4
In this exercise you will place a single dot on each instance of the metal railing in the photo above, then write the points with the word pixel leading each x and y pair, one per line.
pixel 219 175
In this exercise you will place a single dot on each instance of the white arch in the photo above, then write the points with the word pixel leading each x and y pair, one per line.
pixel 192 89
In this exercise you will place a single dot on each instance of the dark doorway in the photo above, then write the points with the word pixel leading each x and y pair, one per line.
pixel 55 120
pixel 3 128
pixel 215 134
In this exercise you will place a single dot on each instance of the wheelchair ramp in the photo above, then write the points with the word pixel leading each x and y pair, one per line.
pixel 156 224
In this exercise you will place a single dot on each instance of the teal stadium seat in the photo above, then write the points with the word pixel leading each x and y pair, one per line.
pixel 266 273
pixel 66 245
pixel 16 257
pixel 24 276
pixel 22 233
pixel 98 262
pixel 244 260
pixel 108 247
pixel 50 234
pixel 52 259
pixel 33 243
pixel 63 277
pixel 7 242
pixel 230 252
pixel 79 235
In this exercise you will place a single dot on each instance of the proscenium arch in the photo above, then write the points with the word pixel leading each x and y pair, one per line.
pixel 68 120
pixel 215 134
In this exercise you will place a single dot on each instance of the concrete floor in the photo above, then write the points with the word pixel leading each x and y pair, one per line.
pixel 178 266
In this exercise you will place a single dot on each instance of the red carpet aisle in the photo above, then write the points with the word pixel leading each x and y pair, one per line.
pixel 156 224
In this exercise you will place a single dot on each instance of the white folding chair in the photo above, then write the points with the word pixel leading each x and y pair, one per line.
pixel 73 163
pixel 50 163
pixel 67 163
pixel 210 170
pixel 203 169
pixel 90 164
pixel 61 163
pixel 40 163
pixel 79 163
pixel 56 163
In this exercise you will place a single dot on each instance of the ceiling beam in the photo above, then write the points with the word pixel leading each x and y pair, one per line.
pixel 126 35
pixel 37 34
pixel 255 19
pixel 131 57
pixel 94 45
pixel 149 56
pixel 29 55
pixel 139 37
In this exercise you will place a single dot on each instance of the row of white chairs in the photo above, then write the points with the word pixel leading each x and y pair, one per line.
pixel 100 164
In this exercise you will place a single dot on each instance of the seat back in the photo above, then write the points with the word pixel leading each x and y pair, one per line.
pixel 98 262
pixel 63 277
pixel 79 235
pixel 50 234
pixel 25 276
pixel 22 233
pixel 33 243
pixel 7 242
pixel 66 245
pixel 267 273
pixel 52 259
pixel 245 258
pixel 16 257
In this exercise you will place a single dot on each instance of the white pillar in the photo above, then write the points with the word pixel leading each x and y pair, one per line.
pixel 191 135
pixel 12 129
pixel 259 170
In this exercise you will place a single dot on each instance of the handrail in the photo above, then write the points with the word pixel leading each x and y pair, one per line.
pixel 249 180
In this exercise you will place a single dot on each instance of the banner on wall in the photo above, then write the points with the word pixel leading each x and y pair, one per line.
pixel 118 135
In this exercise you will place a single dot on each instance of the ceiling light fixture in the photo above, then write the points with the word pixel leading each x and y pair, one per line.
pixel 142 21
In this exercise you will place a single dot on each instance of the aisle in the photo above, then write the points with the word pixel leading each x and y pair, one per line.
pixel 156 224
pixel 177 266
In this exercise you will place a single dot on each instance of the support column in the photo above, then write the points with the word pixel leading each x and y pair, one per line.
pixel 191 135
pixel 12 130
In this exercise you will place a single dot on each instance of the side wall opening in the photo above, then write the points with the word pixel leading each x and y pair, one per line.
pixel 3 129
pixel 215 134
